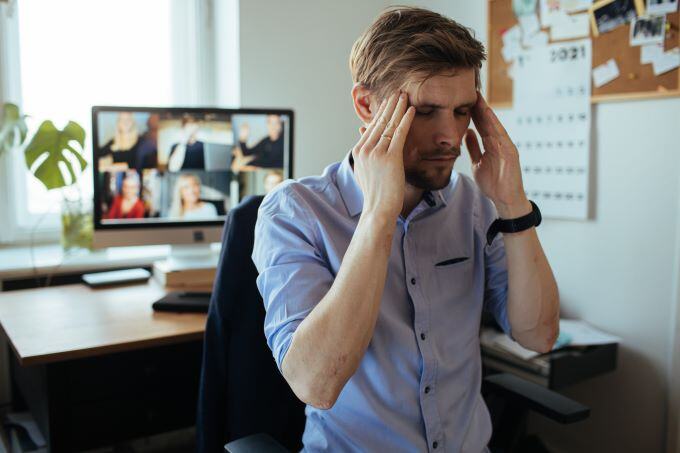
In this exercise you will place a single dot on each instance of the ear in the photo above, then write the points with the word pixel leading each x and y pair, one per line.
pixel 365 103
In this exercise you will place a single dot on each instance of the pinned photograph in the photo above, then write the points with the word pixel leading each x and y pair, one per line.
pixel 661 6
pixel 607 15
pixel 647 30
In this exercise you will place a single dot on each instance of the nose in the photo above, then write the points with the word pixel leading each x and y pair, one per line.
pixel 449 133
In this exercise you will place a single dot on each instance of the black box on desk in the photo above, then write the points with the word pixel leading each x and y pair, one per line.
pixel 557 369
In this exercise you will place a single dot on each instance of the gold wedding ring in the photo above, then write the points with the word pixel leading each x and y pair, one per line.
pixel 386 136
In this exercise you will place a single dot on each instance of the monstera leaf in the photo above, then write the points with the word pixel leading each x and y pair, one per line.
pixel 13 128
pixel 56 145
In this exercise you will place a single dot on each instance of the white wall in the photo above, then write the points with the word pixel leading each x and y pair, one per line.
pixel 296 54
pixel 227 64
pixel 617 271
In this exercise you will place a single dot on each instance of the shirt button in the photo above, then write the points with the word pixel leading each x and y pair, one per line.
pixel 435 444
pixel 422 335
pixel 427 389
pixel 413 281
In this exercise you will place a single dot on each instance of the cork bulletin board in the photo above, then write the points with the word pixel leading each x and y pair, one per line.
pixel 637 81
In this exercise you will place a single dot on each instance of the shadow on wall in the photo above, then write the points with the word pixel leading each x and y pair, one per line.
pixel 616 400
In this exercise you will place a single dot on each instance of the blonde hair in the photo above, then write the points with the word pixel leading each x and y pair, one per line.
pixel 177 206
pixel 124 140
pixel 406 43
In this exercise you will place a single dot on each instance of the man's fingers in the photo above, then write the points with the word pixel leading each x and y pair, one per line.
pixel 381 124
pixel 371 125
pixel 399 137
pixel 362 129
pixel 399 110
pixel 479 118
pixel 472 145
pixel 486 120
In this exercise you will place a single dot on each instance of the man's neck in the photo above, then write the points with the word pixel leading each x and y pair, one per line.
pixel 412 196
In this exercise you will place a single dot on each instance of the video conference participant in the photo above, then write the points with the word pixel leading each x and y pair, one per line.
pixel 127 149
pixel 375 274
pixel 189 153
pixel 122 148
pixel 267 153
pixel 186 202
pixel 127 204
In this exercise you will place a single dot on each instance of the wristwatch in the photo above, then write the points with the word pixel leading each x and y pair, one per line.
pixel 533 219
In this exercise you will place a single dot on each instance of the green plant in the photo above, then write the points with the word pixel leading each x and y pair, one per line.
pixel 55 146
pixel 49 151
pixel 50 154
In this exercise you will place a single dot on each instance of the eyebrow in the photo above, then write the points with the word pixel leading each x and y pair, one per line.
pixel 439 106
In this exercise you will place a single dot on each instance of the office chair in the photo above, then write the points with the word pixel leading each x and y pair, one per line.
pixel 241 390
pixel 245 402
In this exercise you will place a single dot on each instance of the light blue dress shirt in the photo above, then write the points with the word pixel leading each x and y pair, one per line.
pixel 418 385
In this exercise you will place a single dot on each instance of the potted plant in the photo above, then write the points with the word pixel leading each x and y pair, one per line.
pixel 53 158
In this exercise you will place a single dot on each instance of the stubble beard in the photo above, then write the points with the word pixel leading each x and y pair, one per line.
pixel 431 178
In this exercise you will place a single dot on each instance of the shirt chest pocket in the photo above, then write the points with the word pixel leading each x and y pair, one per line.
pixel 452 276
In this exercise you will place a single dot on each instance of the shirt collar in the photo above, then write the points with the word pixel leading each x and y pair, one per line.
pixel 349 188
pixel 354 198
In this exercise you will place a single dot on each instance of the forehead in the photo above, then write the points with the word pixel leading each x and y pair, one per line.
pixel 448 89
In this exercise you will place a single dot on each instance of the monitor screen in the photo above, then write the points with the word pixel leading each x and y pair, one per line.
pixel 173 167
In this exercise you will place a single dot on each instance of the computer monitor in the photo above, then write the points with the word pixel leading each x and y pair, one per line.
pixel 170 175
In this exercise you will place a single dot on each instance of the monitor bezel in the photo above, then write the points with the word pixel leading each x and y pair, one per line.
pixel 288 171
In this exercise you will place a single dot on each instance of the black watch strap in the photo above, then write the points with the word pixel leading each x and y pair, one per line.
pixel 533 219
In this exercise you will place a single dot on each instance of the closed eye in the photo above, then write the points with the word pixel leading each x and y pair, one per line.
pixel 424 112
pixel 460 112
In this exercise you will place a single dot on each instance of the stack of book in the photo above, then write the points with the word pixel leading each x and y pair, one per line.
pixel 186 274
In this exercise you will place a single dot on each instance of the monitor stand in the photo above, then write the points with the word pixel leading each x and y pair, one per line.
pixel 192 256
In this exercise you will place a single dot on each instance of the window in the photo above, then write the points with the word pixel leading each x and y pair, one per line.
pixel 73 54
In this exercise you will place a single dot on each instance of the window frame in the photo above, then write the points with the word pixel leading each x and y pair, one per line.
pixel 193 58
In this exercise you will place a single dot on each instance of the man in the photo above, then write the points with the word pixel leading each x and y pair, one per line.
pixel 374 275
pixel 189 152
pixel 268 153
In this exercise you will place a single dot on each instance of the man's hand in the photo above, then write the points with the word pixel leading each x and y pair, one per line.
pixel 496 171
pixel 379 157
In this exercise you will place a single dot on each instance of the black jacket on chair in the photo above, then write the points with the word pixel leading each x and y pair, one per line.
pixel 241 390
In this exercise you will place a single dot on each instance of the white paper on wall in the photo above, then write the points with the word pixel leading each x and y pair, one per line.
pixel 606 73
pixel 667 61
pixel 650 53
pixel 529 25
pixel 550 125
pixel 552 9
pixel 511 44
pixel 567 26
pixel 539 39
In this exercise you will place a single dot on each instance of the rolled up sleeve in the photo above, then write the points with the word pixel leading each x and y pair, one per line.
pixel 293 276
pixel 495 270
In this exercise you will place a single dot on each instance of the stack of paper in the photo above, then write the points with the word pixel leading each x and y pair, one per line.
pixel 572 333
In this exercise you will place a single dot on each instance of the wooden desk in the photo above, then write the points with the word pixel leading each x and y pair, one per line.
pixel 99 366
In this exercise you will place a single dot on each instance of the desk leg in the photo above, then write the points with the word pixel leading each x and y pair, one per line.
pixel 32 385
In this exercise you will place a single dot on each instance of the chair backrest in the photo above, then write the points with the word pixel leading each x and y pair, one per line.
pixel 242 391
